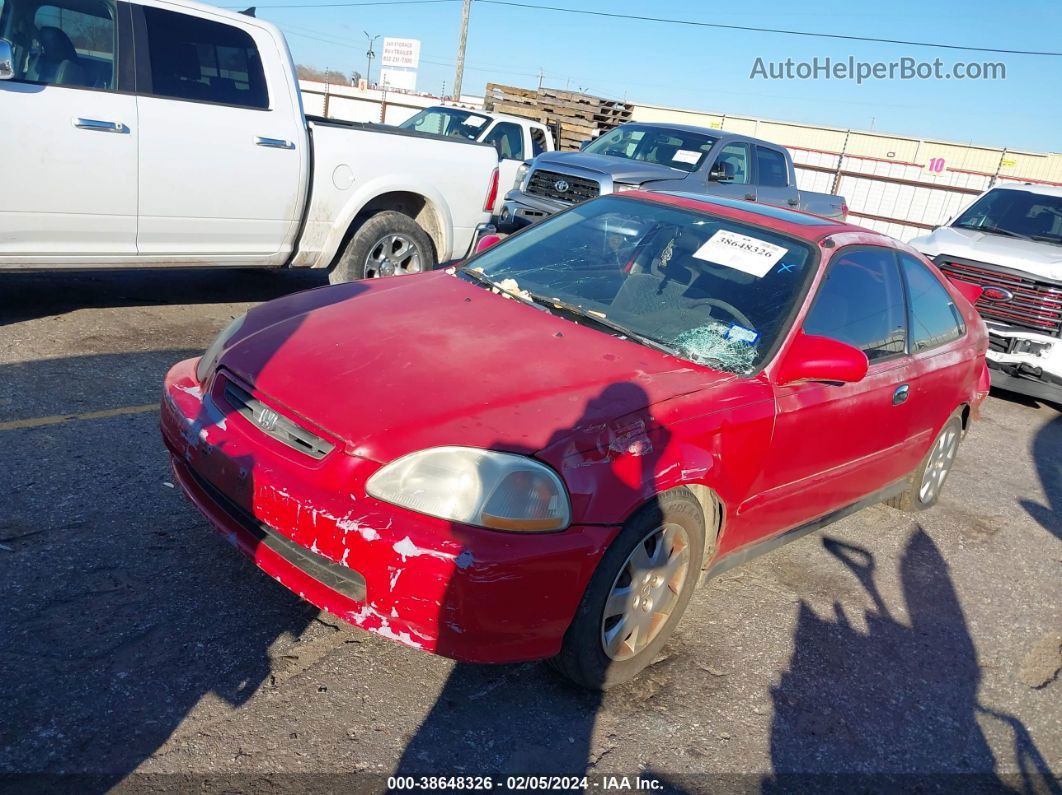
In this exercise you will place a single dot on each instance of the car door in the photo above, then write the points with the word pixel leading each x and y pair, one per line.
pixel 220 158
pixel 508 139
pixel 69 137
pixel 735 162
pixel 772 178
pixel 945 366
pixel 834 444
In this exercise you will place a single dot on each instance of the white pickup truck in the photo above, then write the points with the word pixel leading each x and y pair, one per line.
pixel 514 137
pixel 156 133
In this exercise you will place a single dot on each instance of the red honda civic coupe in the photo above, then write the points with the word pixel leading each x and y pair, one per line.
pixel 542 453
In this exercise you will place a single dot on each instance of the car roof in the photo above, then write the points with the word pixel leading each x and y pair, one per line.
pixel 791 222
pixel 692 128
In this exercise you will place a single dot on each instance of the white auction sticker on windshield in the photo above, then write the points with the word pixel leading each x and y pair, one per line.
pixel 475 121
pixel 741 252
pixel 690 156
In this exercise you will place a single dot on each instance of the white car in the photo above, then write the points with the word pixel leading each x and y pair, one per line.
pixel 172 134
pixel 1009 242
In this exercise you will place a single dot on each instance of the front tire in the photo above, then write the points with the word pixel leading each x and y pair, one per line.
pixel 637 594
pixel 387 244
pixel 926 483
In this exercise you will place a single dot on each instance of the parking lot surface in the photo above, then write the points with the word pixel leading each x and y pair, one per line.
pixel 135 641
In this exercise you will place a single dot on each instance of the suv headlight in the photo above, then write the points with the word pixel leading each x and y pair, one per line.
pixel 499 491
pixel 208 361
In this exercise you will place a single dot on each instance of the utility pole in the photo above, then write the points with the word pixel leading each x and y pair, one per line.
pixel 459 76
pixel 541 74
pixel 369 56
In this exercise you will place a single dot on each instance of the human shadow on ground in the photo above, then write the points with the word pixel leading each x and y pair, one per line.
pixel 896 706
pixel 1047 455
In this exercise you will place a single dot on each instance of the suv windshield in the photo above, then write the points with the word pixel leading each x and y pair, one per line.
pixel 706 288
pixel 678 149
pixel 1015 213
pixel 455 122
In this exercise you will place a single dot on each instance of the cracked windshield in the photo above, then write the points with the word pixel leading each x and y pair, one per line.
pixel 708 289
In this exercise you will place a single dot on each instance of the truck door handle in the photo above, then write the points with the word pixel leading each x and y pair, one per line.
pixel 903 391
pixel 274 143
pixel 750 197
pixel 100 126
pixel 794 202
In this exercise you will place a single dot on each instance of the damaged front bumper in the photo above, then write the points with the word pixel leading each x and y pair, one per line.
pixel 1025 362
pixel 463 592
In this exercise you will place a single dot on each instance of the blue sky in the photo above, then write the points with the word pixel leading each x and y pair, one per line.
pixel 709 69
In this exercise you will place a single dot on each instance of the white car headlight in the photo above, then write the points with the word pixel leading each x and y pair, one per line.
pixel 209 359
pixel 499 491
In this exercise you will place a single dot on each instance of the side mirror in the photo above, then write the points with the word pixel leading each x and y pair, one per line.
pixel 7 60
pixel 721 172
pixel 585 144
pixel 487 241
pixel 812 358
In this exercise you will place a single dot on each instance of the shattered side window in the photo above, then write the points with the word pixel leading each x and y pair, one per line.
pixel 711 290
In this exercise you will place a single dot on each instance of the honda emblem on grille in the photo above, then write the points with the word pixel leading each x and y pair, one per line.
pixel 561 186
pixel 998 294
pixel 267 419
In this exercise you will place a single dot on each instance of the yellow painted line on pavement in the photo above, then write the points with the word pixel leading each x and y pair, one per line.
pixel 59 419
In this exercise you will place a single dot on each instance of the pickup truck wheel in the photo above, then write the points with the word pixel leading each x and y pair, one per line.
pixel 925 483
pixel 637 594
pixel 387 244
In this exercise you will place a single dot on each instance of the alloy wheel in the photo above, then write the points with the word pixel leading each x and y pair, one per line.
pixel 940 460
pixel 393 255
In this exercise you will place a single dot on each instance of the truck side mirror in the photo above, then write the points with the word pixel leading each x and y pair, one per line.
pixel 721 172
pixel 7 60
pixel 585 144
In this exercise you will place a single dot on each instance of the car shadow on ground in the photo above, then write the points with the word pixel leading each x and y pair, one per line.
pixel 894 705
pixel 29 295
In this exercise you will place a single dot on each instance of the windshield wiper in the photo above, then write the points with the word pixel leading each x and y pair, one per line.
pixel 600 319
pixel 994 230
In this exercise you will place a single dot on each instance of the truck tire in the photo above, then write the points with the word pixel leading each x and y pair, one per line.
pixel 925 483
pixel 643 583
pixel 386 244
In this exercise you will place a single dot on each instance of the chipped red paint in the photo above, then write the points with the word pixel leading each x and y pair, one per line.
pixel 387 367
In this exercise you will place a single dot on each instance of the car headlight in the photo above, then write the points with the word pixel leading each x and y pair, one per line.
pixel 521 172
pixel 619 187
pixel 208 361
pixel 499 491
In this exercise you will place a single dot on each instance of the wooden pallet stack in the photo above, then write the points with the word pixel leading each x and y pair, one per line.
pixel 574 117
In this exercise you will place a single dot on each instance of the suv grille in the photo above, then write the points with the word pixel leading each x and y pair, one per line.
pixel 544 183
pixel 1037 304
pixel 274 424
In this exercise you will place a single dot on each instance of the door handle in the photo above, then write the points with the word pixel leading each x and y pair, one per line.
pixel 903 391
pixel 100 126
pixel 750 197
pixel 794 202
pixel 274 143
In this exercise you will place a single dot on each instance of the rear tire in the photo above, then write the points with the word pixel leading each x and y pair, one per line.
pixel 637 594
pixel 387 244
pixel 925 484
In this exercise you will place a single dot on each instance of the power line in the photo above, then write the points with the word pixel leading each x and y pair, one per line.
pixel 695 23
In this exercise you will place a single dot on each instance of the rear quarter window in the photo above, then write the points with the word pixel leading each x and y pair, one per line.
pixel 933 317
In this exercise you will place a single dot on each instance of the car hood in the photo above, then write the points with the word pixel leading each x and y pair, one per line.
pixel 1031 256
pixel 620 169
pixel 419 361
